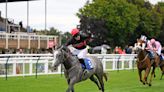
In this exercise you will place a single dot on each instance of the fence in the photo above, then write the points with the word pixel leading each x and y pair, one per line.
pixel 39 64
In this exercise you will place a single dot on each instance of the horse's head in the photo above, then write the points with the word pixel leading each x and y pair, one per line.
pixel 139 46
pixel 60 54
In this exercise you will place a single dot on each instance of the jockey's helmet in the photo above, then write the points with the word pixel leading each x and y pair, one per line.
pixel 152 41
pixel 74 31
pixel 143 38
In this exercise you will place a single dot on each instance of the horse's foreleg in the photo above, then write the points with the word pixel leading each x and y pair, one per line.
pixel 140 75
pixel 92 78
pixel 71 83
pixel 147 71
pixel 70 88
pixel 68 81
pixel 152 74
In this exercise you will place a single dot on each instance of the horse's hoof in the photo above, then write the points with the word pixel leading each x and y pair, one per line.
pixel 143 83
pixel 149 85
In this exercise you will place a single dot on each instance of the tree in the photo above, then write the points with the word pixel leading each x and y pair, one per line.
pixel 65 37
pixel 121 18
pixel 53 31
pixel 124 20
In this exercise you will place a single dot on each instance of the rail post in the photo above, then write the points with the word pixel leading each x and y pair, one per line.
pixel 133 63
pixel 118 63
pixel 36 71
pixel 6 66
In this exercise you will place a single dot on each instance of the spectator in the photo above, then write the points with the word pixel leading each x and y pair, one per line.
pixel 21 24
pixel 0 14
pixel 128 49
pixel 18 66
pixel 118 50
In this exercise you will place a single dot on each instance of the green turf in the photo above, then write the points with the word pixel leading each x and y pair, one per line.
pixel 122 81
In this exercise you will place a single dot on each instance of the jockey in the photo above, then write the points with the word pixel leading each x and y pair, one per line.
pixel 78 44
pixel 154 46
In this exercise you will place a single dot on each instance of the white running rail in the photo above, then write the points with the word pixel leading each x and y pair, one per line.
pixel 25 64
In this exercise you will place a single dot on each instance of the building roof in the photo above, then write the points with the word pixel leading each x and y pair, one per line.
pixel 3 1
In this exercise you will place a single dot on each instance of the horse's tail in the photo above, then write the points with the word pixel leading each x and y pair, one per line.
pixel 105 76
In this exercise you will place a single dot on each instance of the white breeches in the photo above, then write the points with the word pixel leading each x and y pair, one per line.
pixel 159 51
pixel 80 53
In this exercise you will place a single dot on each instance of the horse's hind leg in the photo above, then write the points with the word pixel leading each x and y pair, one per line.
pixel 100 78
pixel 162 76
pixel 92 78
pixel 162 69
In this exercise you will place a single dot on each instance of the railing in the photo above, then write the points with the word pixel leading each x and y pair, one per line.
pixel 39 64
pixel 8 38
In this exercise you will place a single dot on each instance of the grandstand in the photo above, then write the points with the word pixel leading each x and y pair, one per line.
pixel 16 37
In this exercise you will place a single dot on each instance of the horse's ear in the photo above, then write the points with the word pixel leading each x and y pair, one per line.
pixel 55 47
pixel 137 39
pixel 65 48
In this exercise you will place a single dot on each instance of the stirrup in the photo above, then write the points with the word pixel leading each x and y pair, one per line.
pixel 85 71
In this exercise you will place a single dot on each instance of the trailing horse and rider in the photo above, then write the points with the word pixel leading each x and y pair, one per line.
pixel 146 61
pixel 152 47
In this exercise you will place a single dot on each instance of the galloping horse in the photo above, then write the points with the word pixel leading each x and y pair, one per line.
pixel 73 69
pixel 160 63
pixel 145 63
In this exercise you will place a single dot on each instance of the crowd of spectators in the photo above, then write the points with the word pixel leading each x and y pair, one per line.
pixel 126 50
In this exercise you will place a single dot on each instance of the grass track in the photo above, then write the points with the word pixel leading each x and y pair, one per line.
pixel 122 81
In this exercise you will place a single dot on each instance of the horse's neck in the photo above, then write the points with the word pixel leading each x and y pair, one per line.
pixel 141 54
pixel 69 63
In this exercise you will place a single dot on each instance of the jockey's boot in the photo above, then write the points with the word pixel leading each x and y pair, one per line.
pixel 85 73
pixel 161 58
pixel 82 62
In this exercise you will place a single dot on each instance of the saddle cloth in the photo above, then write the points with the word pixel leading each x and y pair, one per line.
pixel 88 64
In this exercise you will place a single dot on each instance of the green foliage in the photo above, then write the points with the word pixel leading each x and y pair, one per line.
pixel 65 37
pixel 125 19
pixel 53 31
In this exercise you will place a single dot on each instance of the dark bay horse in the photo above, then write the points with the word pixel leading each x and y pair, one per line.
pixel 145 63
pixel 73 69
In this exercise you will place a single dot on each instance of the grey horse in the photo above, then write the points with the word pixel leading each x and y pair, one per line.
pixel 73 69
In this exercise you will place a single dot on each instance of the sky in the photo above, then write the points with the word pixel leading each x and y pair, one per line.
pixel 61 14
